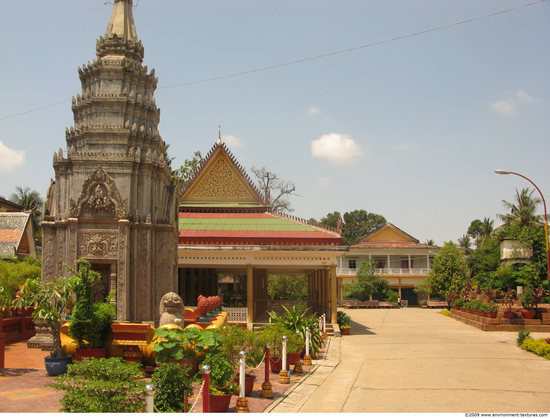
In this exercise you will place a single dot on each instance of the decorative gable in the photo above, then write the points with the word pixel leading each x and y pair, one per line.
pixel 221 180
pixel 389 232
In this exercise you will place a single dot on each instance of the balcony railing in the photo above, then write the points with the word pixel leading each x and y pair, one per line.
pixel 393 271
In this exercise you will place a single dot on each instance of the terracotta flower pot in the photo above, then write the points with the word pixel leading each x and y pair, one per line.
pixel 220 403
pixel 275 365
pixel 345 331
pixel 491 314
pixel 248 384
pixel 528 313
pixel 508 315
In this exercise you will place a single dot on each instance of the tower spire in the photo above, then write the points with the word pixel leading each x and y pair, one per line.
pixel 122 23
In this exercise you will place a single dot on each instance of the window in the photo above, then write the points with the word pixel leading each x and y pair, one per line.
pixel 352 264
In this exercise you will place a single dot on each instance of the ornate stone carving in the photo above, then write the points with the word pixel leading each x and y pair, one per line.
pixel 221 182
pixel 97 243
pixel 99 198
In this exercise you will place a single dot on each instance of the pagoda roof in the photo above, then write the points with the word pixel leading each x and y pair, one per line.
pixel 251 229
pixel 13 238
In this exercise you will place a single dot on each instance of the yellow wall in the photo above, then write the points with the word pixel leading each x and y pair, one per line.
pixel 389 234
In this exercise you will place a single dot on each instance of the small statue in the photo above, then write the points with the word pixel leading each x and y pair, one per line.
pixel 171 308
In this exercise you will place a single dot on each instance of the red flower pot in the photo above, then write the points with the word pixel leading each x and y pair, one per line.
pixel 528 314
pixel 345 331
pixel 491 314
pixel 220 403
pixel 248 384
pixel 508 315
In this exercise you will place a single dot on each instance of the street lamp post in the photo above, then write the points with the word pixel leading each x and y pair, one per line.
pixel 545 218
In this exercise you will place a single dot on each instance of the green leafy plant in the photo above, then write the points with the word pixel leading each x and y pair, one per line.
pixel 90 322
pixel 297 319
pixel 342 318
pixel 484 307
pixel 274 334
pixel 222 374
pixel 177 343
pixel 492 307
pixel 522 336
pixel 51 301
pixel 459 302
pixel 527 299
pixel 236 339
pixel 101 385
pixel 170 382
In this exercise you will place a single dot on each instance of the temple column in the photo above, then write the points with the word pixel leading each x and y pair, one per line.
pixel 250 292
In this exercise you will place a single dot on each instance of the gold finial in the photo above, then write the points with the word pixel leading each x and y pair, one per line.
pixel 219 134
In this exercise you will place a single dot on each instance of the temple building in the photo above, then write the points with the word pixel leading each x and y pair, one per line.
pixel 226 227
pixel 111 201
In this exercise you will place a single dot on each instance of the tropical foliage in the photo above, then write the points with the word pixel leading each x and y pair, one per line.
pixel 523 212
pixel 170 380
pixel 287 287
pixel 101 385
pixel 13 273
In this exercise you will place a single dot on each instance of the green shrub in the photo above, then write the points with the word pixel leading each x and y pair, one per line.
pixel 459 302
pixel 522 336
pixel 101 385
pixel 170 381
pixel 539 347
pixel 236 339
pixel 222 374
pixel 13 273
pixel 342 318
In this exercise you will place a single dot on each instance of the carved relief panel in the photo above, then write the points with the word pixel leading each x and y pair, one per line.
pixel 94 243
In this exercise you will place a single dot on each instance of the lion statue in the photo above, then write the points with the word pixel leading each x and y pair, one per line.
pixel 171 308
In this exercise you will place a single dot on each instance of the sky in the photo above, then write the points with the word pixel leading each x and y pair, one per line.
pixel 410 126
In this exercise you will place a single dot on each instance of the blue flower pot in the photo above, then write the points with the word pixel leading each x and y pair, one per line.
pixel 57 366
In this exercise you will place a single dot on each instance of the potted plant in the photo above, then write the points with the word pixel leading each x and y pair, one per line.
pixel 492 309
pixel 458 303
pixel 508 299
pixel 483 308
pixel 528 301
pixel 174 345
pixel 90 322
pixel 50 301
pixel 222 384
pixel 343 320
pixel 274 334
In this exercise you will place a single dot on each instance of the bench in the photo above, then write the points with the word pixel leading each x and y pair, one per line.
pixel 437 305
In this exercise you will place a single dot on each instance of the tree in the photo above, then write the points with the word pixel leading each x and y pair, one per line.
pixel 274 190
pixel 331 220
pixel 184 174
pixel 364 286
pixel 481 231
pixel 464 241
pixel 293 287
pixel 13 273
pixel 358 224
pixel 31 201
pixel 449 272
pixel 430 242
pixel 522 213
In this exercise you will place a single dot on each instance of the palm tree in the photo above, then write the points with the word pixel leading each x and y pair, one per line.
pixel 31 202
pixel 487 228
pixel 464 242
pixel 430 242
pixel 523 212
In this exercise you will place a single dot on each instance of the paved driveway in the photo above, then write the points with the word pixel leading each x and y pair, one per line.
pixel 417 360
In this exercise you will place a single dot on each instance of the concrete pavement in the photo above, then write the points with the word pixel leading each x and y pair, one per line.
pixel 417 360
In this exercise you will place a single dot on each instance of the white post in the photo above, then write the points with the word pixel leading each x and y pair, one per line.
pixel 149 397
pixel 284 352
pixel 242 372
pixel 307 341
pixel 324 323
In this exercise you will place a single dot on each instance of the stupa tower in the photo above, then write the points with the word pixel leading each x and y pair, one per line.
pixel 111 201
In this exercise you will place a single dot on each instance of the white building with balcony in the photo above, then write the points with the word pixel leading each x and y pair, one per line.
pixel 400 258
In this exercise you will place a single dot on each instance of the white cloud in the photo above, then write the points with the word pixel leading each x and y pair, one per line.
pixel 506 107
pixel 509 106
pixel 10 159
pixel 404 147
pixel 323 182
pixel 339 149
pixel 232 141
pixel 314 110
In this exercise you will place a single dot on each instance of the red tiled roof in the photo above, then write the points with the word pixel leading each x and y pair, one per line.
pixel 392 244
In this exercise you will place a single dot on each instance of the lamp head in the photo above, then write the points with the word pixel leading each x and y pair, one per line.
pixel 499 171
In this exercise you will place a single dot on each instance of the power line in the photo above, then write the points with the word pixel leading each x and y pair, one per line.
pixel 310 58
